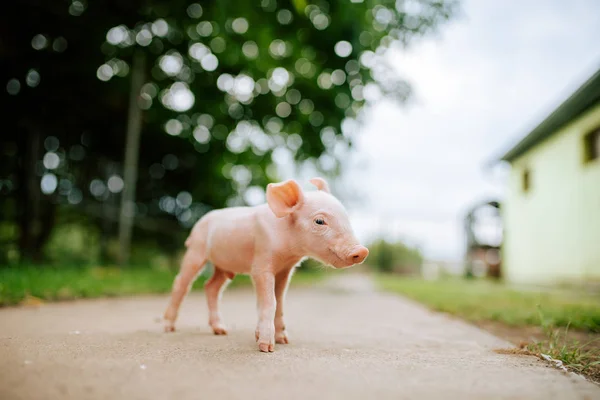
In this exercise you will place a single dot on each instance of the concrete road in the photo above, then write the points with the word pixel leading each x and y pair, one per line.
pixel 347 342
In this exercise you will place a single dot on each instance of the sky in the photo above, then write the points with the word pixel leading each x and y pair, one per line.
pixel 488 78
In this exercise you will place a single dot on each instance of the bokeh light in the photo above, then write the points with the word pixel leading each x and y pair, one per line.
pixel 254 196
pixel 194 10
pixel 218 45
pixel 170 162
pixel 178 97
pixel 209 62
pixel 104 72
pixel 204 28
pixel 75 196
pixel 115 184
pixel 51 160
pixel 198 51
pixel 173 127
pixel 250 50
pixel 240 25
pixel 160 27
pixel 48 183
pixel 51 143
pixel 39 42
pixel 171 63
pixel 343 48
pixel 144 37
pixel 201 134
pixel 283 109
pixel 33 78
pixel 76 8
pixel 117 35
pixel 13 87
pixel 59 44
pixel 184 199
pixel 285 17
pixel 97 188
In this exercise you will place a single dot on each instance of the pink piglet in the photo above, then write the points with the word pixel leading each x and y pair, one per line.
pixel 266 242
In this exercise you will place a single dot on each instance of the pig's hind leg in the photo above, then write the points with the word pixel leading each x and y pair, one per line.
pixel 214 288
pixel 191 266
pixel 282 281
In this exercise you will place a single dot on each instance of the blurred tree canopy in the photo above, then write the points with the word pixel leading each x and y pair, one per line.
pixel 231 90
pixel 395 257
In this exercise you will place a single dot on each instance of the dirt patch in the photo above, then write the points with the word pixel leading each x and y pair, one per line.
pixel 582 347
pixel 515 351
pixel 523 336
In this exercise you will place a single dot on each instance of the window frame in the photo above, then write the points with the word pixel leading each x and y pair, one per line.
pixel 525 180
pixel 591 146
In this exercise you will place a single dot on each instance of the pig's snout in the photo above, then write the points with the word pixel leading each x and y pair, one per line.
pixel 358 255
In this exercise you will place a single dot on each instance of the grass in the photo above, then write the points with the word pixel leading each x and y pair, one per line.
pixel 485 300
pixel 25 284
pixel 564 325
pixel 580 356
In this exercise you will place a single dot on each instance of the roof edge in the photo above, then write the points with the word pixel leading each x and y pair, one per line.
pixel 581 100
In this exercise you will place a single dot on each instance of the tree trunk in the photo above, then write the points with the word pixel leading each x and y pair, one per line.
pixel 132 148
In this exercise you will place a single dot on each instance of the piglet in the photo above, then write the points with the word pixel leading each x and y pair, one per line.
pixel 266 242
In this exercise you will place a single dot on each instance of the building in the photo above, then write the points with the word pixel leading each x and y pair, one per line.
pixel 551 212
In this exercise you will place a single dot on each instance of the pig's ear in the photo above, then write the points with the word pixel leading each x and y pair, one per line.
pixel 321 184
pixel 285 197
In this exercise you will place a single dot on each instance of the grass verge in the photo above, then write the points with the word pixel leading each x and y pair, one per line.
pixel 564 325
pixel 34 284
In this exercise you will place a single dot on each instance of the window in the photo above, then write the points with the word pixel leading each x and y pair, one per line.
pixel 591 145
pixel 525 180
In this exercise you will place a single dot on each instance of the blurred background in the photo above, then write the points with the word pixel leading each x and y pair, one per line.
pixel 125 122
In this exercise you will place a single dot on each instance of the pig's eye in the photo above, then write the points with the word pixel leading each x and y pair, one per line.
pixel 319 221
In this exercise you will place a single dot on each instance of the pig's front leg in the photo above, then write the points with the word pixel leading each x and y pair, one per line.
pixel 264 283
pixel 282 281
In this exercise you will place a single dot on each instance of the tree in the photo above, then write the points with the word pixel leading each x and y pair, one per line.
pixel 231 87
pixel 394 257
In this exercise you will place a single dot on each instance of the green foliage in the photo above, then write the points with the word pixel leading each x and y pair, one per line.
pixel 73 244
pixel 266 82
pixel 394 257
pixel 488 301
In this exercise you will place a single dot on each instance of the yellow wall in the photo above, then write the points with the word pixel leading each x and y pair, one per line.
pixel 552 232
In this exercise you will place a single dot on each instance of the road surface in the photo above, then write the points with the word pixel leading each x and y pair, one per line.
pixel 347 342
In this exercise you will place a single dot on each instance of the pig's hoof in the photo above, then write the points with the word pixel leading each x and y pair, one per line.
pixel 219 330
pixel 281 338
pixel 266 347
pixel 169 327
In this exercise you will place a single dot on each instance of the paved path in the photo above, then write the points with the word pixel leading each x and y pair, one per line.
pixel 348 342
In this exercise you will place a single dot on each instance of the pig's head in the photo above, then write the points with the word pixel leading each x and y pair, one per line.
pixel 319 222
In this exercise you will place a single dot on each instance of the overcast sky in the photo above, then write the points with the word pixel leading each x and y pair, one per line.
pixel 489 77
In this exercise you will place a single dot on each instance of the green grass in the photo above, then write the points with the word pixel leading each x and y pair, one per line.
pixel 580 356
pixel 490 301
pixel 65 283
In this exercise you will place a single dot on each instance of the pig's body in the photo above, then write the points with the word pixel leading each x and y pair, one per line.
pixel 223 236
pixel 266 242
